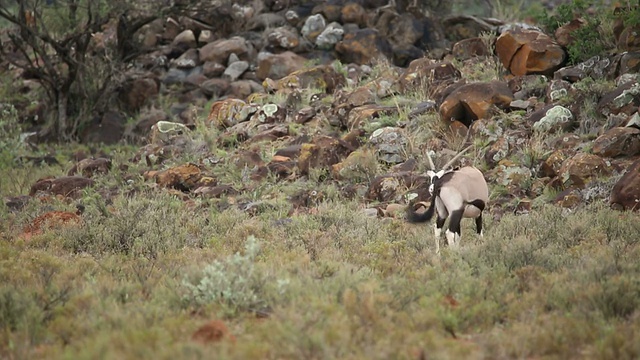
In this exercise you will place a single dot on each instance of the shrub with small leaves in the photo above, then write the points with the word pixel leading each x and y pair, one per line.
pixel 234 282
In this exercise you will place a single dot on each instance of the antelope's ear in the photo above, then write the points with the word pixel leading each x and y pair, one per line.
pixel 431 173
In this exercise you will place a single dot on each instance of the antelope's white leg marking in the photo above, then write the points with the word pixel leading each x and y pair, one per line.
pixel 437 232
pixel 453 239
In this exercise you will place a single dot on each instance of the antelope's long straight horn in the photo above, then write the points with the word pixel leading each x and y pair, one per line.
pixel 431 165
pixel 446 166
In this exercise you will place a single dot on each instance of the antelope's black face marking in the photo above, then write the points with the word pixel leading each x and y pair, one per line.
pixel 438 179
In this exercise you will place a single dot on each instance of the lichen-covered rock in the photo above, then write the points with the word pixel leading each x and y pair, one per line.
pixel 390 144
pixel 624 99
pixel 330 36
pixel 585 167
pixel 283 37
pixel 313 26
pixel 229 112
pixel 552 164
pixel 323 77
pixel 475 101
pixel 162 131
pixel 552 119
pixel 90 167
pixel 186 177
pixel 497 151
pixel 620 141
pixel 526 51
pixel 625 194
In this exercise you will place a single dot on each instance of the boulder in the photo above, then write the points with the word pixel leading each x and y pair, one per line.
pixel 468 48
pixel 65 186
pixel 625 194
pixel 584 166
pixel 90 167
pixel 526 51
pixel 136 93
pixel 330 36
pixel 619 141
pixel 313 26
pixel 471 102
pixel 229 112
pixel 284 38
pixel 552 119
pixel 186 177
pixel 322 152
pixel 277 66
pixel 362 46
pixel 390 144
pixel 427 73
pixel 219 51
pixel 624 99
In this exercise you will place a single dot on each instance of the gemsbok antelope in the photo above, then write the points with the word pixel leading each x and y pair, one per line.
pixel 455 194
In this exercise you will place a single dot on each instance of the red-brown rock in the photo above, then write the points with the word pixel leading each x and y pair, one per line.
pixel 625 194
pixel 619 141
pixel 471 102
pixel 525 52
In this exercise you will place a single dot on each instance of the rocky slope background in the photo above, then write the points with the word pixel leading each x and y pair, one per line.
pixel 347 92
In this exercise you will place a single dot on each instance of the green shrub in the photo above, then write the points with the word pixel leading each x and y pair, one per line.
pixel 234 282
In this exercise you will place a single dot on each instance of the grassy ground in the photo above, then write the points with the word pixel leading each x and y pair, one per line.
pixel 137 277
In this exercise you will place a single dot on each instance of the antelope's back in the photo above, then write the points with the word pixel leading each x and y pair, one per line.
pixel 471 184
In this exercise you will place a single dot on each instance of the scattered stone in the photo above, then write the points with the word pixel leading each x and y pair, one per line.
pixel 475 101
pixel 90 167
pixel 65 186
pixel 625 194
pixel 620 141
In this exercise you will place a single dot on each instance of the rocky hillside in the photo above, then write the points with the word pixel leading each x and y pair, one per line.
pixel 355 93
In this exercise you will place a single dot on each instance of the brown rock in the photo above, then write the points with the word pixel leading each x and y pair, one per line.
pixel 620 141
pixel 212 69
pixel 330 11
pixel 279 65
pixel 584 166
pixel 475 101
pixel 564 34
pixel 215 87
pixel 284 38
pixel 365 114
pixel 569 198
pixel 529 52
pixel 363 46
pixel 49 220
pixel 551 166
pixel 497 151
pixel 388 188
pixel 629 39
pixel 212 332
pixel 108 131
pixel 229 112
pixel 622 100
pixel 468 48
pixel 626 192
pixel 219 51
pixel 184 178
pixel 322 152
pixel 354 13
pixel 426 73
pixel 321 77
pixel 136 92
pixel 89 167
pixel 66 186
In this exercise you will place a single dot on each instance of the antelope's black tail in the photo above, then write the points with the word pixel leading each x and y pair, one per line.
pixel 414 217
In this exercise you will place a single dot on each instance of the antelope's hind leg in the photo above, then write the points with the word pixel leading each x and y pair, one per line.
pixel 453 233
pixel 437 230
pixel 479 225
